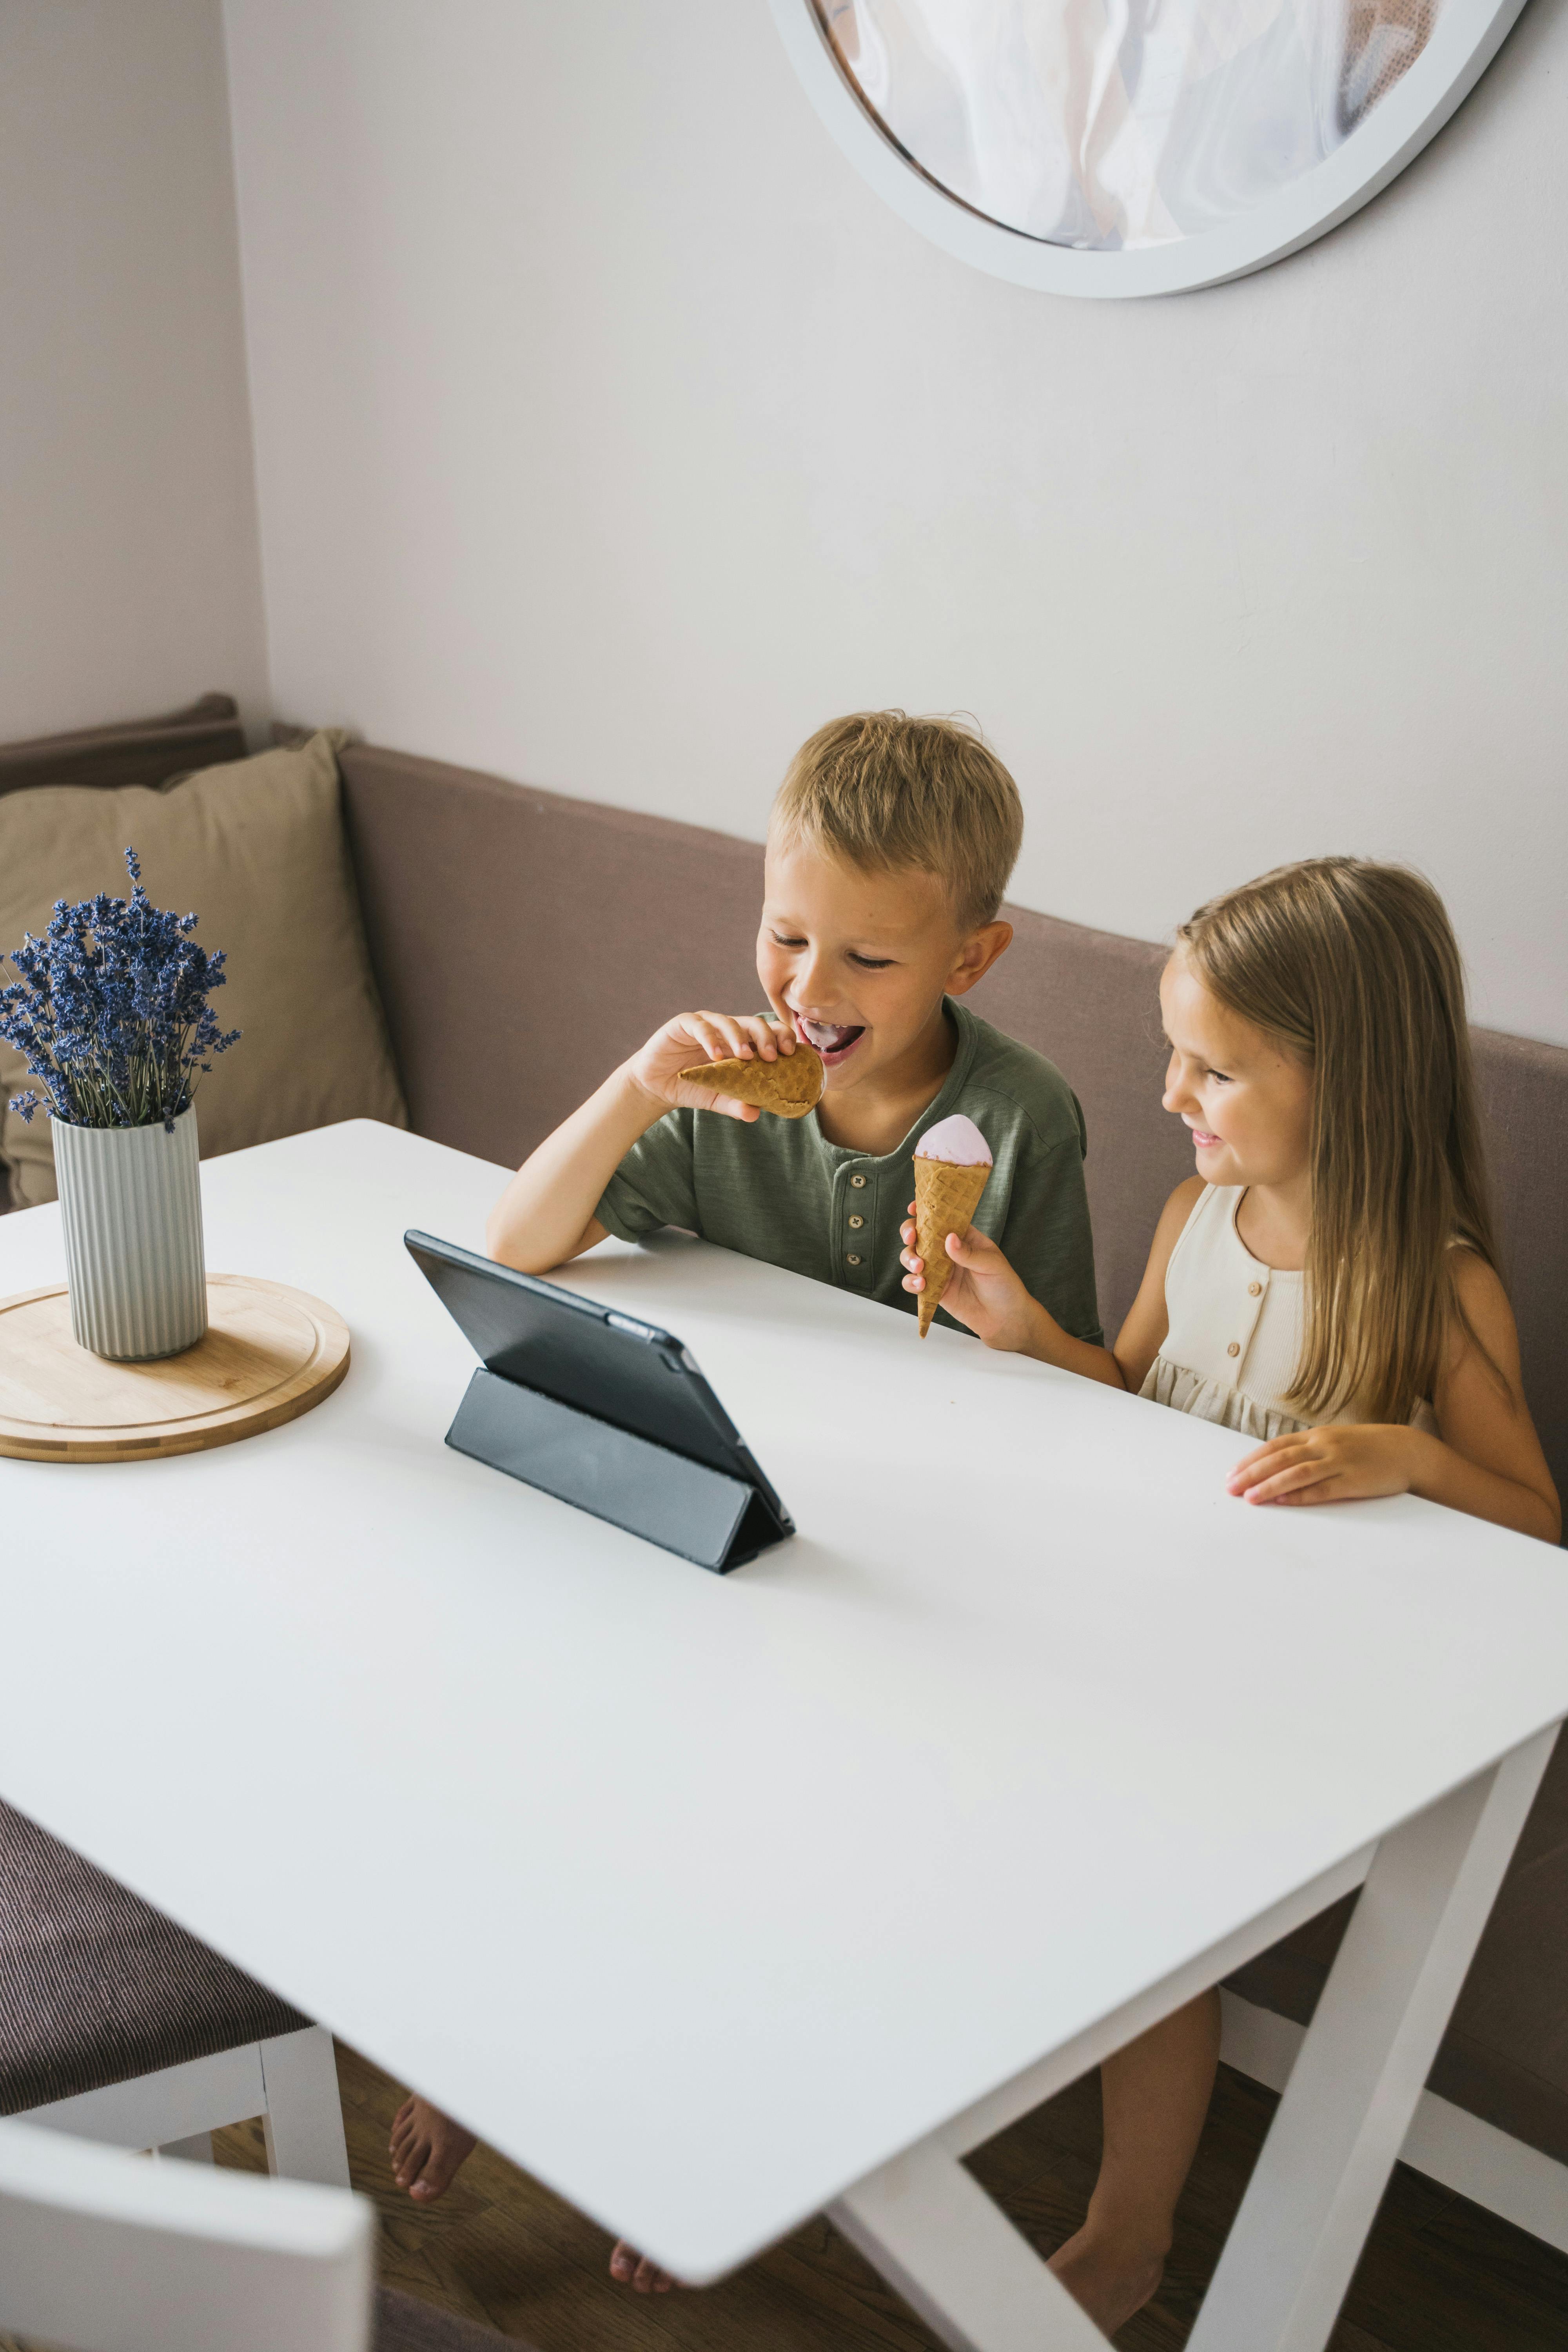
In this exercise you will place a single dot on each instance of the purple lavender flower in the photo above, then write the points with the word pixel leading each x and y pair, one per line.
pixel 110 1011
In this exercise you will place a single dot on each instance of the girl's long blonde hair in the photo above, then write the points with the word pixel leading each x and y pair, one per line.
pixel 1354 969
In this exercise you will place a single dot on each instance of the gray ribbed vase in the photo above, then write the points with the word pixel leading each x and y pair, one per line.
pixel 132 1201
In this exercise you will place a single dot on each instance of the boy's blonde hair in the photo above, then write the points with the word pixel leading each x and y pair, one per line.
pixel 1354 969
pixel 892 794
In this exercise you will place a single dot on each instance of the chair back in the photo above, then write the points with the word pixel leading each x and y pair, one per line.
pixel 107 2252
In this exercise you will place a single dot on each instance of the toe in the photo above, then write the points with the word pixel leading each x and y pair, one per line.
pixel 622 2261
pixel 448 2148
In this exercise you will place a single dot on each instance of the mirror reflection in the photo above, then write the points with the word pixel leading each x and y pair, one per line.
pixel 1108 124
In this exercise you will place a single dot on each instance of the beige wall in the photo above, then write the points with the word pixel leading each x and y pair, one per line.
pixel 129 573
pixel 611 434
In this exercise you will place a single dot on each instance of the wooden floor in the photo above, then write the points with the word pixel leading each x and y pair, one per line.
pixel 1439 2274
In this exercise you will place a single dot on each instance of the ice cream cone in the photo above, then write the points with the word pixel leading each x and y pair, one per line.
pixel 946 1197
pixel 789 1087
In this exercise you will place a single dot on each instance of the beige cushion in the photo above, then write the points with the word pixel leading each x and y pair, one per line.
pixel 257 849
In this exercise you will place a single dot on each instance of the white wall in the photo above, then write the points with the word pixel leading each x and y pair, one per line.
pixel 129 580
pixel 611 435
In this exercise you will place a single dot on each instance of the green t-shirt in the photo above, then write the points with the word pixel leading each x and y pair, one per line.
pixel 776 1189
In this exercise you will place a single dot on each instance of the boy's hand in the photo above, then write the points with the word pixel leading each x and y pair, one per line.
pixel 1332 1464
pixel 982 1290
pixel 704 1037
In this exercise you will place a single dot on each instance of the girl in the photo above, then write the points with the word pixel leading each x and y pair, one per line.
pixel 1325 1284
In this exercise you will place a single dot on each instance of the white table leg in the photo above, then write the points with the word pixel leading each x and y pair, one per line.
pixel 304 2120
pixel 931 2230
pixel 1360 2070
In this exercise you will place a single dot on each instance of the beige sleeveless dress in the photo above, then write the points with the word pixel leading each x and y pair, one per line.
pixel 1235 1335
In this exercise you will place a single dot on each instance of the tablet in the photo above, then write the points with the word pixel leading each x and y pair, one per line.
pixel 602 1410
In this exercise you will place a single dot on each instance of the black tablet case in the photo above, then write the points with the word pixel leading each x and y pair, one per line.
pixel 715 1517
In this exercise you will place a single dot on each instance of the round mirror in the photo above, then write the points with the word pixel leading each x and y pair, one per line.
pixel 1135 146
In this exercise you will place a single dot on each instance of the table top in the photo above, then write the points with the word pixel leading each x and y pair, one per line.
pixel 701 1896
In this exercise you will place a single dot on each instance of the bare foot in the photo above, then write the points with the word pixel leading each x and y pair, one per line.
pixel 426 2148
pixel 1111 2279
pixel 633 2269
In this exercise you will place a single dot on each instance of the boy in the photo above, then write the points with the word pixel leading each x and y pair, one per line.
pixel 890 845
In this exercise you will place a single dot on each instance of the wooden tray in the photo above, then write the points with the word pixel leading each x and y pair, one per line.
pixel 270 1354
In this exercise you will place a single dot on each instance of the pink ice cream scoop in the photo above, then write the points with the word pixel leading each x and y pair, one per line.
pixel 953 1167
pixel 957 1141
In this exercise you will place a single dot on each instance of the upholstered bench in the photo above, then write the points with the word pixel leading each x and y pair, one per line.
pixel 116 2025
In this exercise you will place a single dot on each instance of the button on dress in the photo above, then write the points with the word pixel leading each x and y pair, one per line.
pixel 1235 1335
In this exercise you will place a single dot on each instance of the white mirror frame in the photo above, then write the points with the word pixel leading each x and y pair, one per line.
pixel 1466 37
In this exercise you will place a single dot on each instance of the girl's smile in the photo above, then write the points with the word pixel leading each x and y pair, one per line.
pixel 1247 1105
pixel 1245 1102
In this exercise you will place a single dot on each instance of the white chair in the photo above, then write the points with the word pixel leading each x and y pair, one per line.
pixel 103 2252
pixel 116 2025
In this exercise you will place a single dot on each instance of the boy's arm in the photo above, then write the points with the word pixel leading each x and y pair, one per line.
pixel 546 1214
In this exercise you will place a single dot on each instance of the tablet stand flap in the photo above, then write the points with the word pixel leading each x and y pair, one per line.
pixel 683 1505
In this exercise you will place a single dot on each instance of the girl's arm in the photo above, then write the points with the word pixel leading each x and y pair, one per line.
pixel 1487 1460
pixel 1143 1334
pixel 546 1214
pixel 985 1293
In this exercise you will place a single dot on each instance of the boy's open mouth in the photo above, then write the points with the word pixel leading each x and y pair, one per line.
pixel 834 1040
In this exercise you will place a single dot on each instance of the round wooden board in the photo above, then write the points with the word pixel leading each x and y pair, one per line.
pixel 270 1354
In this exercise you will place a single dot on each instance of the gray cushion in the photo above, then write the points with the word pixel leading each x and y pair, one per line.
pixel 403 2323
pixel 97 1987
pixel 479 902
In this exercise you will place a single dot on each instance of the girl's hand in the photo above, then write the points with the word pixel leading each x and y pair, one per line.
pixel 983 1290
pixel 694 1037
pixel 1332 1465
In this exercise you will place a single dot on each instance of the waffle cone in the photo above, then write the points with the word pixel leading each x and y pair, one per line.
pixel 946 1197
pixel 789 1087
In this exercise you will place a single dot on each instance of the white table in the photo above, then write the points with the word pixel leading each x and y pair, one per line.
pixel 715 1901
